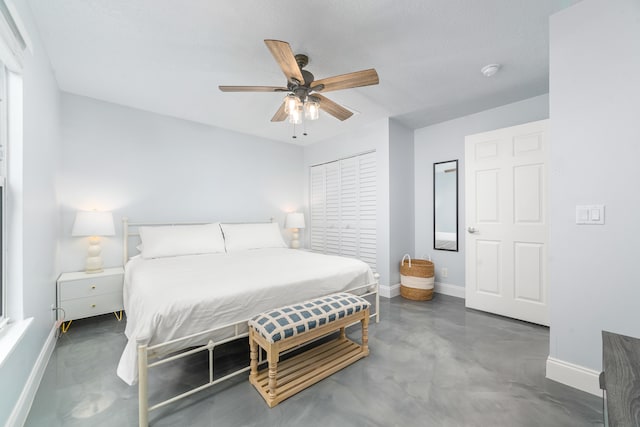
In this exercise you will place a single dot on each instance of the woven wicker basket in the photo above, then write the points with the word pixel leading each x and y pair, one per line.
pixel 416 279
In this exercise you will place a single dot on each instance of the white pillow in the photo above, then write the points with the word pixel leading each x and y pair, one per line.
pixel 239 237
pixel 176 240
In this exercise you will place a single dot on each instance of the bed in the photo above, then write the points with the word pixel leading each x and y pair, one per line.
pixel 179 304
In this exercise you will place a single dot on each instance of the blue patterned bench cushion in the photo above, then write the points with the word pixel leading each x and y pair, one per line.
pixel 285 322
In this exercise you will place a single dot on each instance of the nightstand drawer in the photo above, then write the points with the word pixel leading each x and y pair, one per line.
pixel 89 287
pixel 92 306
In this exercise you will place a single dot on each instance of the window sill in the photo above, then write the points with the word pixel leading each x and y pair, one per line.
pixel 10 336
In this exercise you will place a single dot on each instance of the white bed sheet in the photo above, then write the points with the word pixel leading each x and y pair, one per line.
pixel 168 298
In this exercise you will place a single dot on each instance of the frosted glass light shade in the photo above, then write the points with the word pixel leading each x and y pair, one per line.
pixel 294 220
pixel 290 103
pixel 92 223
pixel 295 116
pixel 311 109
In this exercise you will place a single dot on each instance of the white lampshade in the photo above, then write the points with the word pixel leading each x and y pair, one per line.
pixel 93 223
pixel 294 220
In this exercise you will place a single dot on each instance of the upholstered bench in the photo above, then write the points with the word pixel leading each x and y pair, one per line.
pixel 284 328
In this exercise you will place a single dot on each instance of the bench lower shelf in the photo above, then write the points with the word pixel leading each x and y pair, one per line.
pixel 308 368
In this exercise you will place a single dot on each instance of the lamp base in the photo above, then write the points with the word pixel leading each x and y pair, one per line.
pixel 93 265
pixel 94 260
pixel 295 235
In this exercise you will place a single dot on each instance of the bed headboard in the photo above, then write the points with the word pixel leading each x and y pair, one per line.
pixel 131 235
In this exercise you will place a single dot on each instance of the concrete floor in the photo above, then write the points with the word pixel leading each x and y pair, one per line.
pixel 431 364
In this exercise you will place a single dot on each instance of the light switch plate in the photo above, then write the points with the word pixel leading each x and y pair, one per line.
pixel 590 214
pixel 582 215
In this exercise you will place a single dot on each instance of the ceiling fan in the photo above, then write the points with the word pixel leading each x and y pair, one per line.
pixel 303 97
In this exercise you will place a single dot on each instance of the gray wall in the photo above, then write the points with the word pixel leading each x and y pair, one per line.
pixel 374 136
pixel 445 141
pixel 595 147
pixel 150 167
pixel 34 219
pixel 401 202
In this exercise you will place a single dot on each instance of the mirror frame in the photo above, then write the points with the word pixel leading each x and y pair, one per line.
pixel 457 207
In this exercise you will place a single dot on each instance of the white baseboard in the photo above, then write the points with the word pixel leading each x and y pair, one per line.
pixel 575 376
pixel 448 289
pixel 390 291
pixel 441 288
pixel 21 410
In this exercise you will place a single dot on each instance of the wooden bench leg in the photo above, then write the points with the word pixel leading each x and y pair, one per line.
pixel 342 334
pixel 365 332
pixel 253 348
pixel 273 357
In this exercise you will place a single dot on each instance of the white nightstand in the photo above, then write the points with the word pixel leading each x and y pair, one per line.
pixel 83 295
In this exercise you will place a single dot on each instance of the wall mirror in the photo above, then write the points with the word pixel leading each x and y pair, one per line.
pixel 445 205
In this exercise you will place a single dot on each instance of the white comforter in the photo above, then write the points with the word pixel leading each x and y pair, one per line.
pixel 168 298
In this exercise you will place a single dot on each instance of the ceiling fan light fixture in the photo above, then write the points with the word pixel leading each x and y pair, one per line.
pixel 295 115
pixel 291 103
pixel 311 108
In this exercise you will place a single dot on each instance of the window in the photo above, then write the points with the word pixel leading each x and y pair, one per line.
pixel 3 299
pixel 13 43
pixel 3 169
pixel 343 208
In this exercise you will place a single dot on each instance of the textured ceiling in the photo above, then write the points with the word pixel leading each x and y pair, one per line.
pixel 169 56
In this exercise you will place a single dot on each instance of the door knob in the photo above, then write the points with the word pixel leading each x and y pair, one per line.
pixel 472 230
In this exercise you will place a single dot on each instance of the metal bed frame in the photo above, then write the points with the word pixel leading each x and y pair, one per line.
pixel 153 356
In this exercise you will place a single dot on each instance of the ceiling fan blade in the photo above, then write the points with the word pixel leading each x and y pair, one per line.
pixel 346 81
pixel 280 115
pixel 336 110
pixel 253 89
pixel 283 55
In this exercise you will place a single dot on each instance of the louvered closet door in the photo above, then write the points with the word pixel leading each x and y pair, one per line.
pixel 332 209
pixel 343 208
pixel 367 207
pixel 349 207
pixel 317 209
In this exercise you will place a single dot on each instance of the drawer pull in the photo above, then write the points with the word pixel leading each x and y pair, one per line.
pixel 93 306
pixel 93 286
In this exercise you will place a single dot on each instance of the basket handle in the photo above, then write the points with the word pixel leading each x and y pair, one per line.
pixel 404 257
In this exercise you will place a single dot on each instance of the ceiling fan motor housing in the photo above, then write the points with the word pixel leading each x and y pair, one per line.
pixel 302 89
pixel 308 77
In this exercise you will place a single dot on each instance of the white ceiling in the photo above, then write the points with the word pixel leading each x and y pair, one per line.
pixel 169 56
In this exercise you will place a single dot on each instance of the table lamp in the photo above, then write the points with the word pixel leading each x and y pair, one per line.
pixel 295 221
pixel 93 224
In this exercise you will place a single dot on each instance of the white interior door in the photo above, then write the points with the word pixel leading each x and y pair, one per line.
pixel 506 222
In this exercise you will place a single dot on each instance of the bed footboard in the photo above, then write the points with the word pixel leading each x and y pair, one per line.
pixel 149 356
